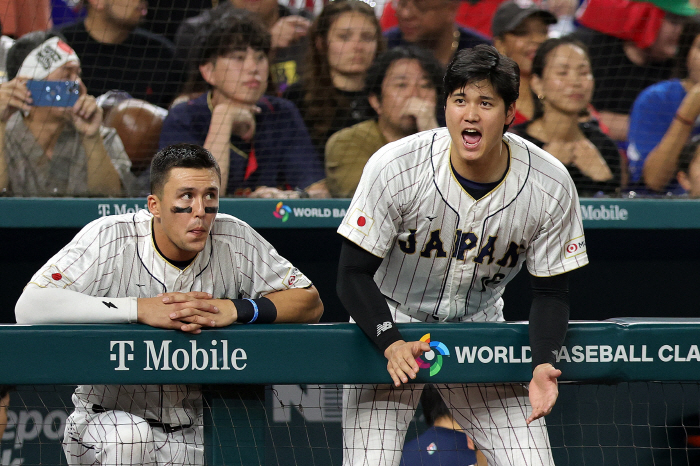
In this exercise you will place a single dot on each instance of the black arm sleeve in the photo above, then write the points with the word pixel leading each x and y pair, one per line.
pixel 361 296
pixel 549 317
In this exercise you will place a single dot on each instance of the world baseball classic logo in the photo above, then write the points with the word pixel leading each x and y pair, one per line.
pixel 282 211
pixel 438 350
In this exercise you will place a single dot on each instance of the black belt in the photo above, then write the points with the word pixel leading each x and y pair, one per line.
pixel 167 428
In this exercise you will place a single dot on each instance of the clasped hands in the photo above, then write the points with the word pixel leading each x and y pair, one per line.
pixel 188 312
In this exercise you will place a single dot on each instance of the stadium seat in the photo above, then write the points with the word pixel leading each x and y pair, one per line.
pixel 138 124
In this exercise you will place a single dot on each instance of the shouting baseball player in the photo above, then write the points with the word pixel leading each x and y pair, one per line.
pixel 440 223
pixel 179 265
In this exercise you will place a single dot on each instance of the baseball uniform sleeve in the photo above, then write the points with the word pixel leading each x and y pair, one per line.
pixel 372 219
pixel 560 245
pixel 261 268
pixel 70 286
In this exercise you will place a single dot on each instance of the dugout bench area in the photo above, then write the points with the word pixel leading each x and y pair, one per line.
pixel 644 253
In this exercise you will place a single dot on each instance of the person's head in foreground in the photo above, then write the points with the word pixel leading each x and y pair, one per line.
pixel 481 87
pixel 184 199
pixel 689 168
pixel 403 86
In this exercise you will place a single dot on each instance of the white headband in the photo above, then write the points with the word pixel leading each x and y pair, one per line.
pixel 47 58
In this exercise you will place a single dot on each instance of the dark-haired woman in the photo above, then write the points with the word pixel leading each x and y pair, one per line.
pixel 562 81
pixel 345 38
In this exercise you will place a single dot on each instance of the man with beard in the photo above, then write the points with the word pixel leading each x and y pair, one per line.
pixel 117 54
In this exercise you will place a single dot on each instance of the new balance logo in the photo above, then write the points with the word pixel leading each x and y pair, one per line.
pixel 383 327
pixel 108 304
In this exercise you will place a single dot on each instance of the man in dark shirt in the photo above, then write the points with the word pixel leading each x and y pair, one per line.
pixel 116 54
pixel 431 24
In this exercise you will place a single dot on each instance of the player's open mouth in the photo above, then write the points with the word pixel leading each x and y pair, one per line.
pixel 471 137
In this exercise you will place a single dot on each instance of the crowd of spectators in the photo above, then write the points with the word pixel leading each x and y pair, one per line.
pixel 293 101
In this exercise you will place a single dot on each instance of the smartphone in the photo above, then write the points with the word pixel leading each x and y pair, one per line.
pixel 54 93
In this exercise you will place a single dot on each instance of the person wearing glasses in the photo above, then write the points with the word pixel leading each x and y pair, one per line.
pixel 431 24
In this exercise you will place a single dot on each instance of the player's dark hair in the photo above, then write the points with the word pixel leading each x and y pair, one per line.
pixel 434 406
pixel 23 47
pixel 688 154
pixel 540 62
pixel 323 101
pixel 685 43
pixel 179 156
pixel 377 72
pixel 484 63
pixel 230 30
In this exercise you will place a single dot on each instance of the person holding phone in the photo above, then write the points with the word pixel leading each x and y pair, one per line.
pixel 52 142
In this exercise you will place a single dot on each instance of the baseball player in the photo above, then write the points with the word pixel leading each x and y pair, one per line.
pixel 179 265
pixel 441 221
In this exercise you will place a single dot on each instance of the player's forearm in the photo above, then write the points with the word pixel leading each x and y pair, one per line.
pixel 102 177
pixel 60 306
pixel 362 298
pixel 297 305
pixel 549 318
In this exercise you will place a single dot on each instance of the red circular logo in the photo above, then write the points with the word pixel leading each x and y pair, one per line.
pixel 571 248
pixel 65 47
pixel 56 276
pixel 361 221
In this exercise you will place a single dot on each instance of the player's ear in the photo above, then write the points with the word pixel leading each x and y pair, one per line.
pixel 153 205
pixel 510 114
pixel 374 102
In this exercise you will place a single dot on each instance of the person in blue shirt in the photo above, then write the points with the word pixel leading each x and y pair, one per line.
pixel 664 117
pixel 259 141
pixel 444 443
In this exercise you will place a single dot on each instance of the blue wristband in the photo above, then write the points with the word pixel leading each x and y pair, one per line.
pixel 255 309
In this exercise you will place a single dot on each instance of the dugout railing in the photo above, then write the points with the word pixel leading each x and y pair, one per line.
pixel 629 394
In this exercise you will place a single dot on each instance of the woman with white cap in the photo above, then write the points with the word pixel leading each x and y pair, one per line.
pixel 51 150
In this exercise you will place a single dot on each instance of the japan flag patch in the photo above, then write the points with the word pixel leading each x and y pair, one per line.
pixel 360 221
pixel 574 247
pixel 53 277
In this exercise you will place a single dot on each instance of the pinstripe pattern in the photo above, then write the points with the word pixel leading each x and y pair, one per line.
pixel 409 186
pixel 448 257
pixel 115 257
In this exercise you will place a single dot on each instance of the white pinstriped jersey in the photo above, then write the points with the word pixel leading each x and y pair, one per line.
pixel 115 257
pixel 447 256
